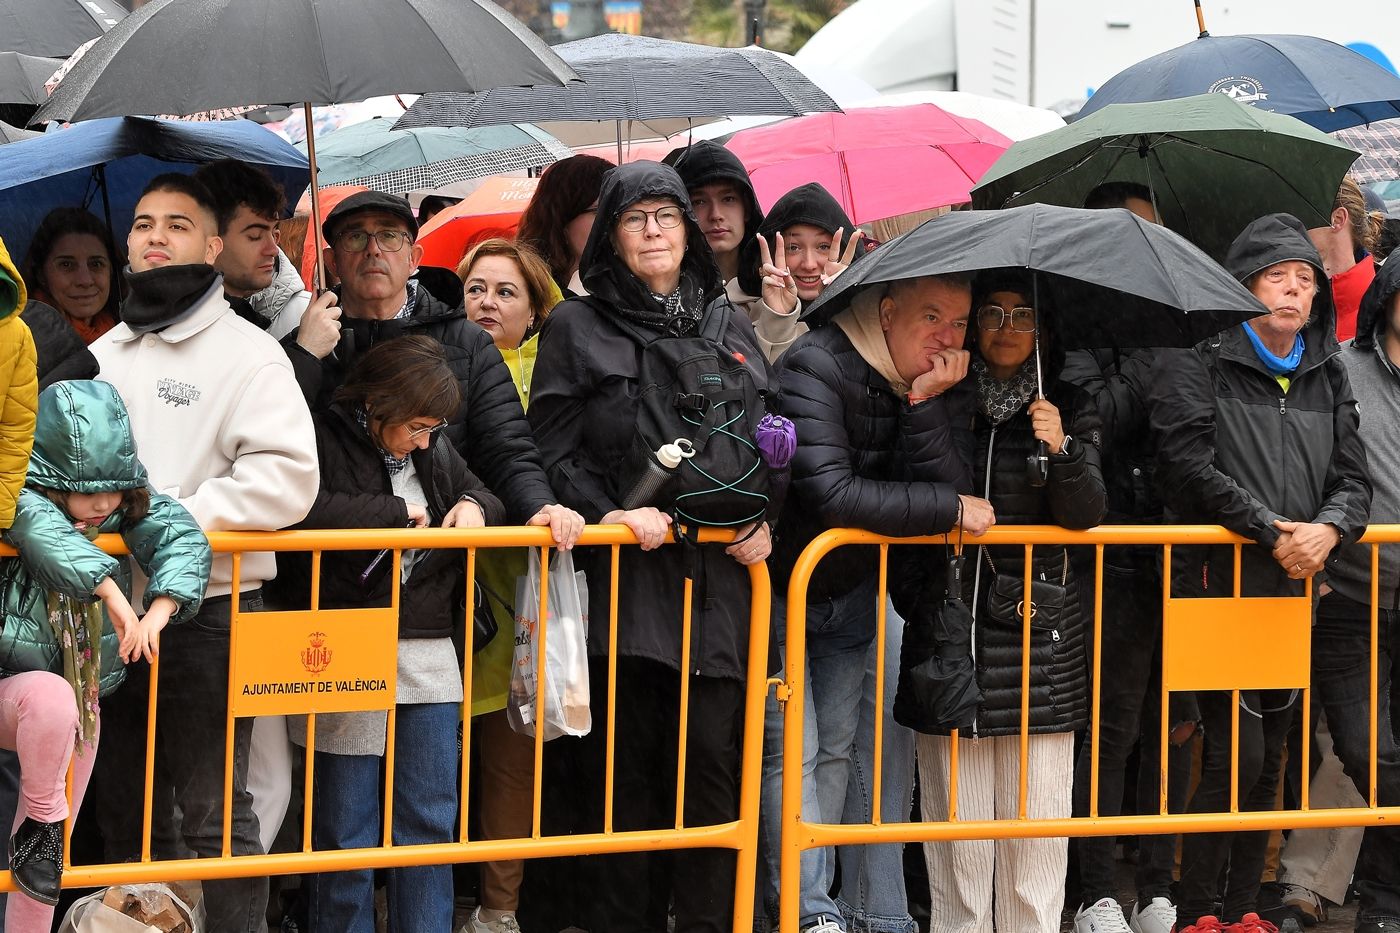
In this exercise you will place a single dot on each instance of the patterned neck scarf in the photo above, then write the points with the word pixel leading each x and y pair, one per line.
pixel 998 400
pixel 411 290
pixel 393 465
pixel 78 628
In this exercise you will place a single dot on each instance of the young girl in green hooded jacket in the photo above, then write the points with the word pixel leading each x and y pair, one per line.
pixel 67 626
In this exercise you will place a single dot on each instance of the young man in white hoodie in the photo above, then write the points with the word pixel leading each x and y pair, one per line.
pixel 223 428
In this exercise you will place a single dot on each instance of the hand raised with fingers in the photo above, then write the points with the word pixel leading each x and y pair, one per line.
pixel 834 267
pixel 779 287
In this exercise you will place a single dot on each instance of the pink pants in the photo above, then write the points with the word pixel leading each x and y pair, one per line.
pixel 39 721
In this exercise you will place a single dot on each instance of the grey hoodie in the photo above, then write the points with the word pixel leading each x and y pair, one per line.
pixel 1376 381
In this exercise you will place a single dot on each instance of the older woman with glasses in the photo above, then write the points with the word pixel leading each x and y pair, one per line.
pixel 648 270
pixel 1017 884
pixel 385 464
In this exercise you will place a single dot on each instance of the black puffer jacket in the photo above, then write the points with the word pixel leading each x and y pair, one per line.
pixel 61 352
pixel 1236 449
pixel 866 459
pixel 490 431
pixel 583 406
pixel 1075 498
pixel 356 493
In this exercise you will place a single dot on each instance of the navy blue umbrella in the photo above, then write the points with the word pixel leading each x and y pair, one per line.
pixel 1321 83
pixel 102 165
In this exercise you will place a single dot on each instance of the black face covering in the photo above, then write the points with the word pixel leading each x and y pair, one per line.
pixel 161 296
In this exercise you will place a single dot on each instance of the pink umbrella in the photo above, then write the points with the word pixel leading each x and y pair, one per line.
pixel 878 162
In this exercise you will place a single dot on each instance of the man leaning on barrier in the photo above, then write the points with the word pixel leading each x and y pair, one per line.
pixel 1258 432
pixel 221 427
pixel 879 403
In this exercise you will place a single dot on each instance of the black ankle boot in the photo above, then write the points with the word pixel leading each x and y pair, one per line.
pixel 36 859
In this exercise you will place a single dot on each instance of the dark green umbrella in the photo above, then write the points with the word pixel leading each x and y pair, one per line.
pixel 1211 164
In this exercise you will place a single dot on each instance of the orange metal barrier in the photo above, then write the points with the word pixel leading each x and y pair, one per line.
pixel 265 643
pixel 1196 633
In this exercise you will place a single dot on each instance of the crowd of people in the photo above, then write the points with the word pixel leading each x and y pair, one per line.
pixel 190 383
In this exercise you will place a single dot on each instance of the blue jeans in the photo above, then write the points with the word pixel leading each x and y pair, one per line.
pixel 872 896
pixel 346 797
pixel 839 632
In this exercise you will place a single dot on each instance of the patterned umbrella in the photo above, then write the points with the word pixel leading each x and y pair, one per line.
pixel 1379 145
pixel 399 161
pixel 635 87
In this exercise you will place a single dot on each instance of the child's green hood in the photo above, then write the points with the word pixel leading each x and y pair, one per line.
pixel 83 441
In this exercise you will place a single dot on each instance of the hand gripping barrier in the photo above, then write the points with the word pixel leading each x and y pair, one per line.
pixel 297 650
pixel 1232 644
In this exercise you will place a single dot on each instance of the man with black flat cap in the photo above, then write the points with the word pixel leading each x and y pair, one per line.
pixel 384 293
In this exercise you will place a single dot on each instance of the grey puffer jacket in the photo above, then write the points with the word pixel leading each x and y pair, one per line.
pixel 1238 449
pixel 83 444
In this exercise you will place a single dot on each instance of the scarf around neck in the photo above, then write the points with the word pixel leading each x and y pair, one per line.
pixel 77 626
pixel 678 313
pixel 161 296
pixel 861 325
pixel 1276 365
pixel 393 465
pixel 998 400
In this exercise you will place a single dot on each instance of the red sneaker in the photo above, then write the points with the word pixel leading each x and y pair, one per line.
pixel 1250 923
pixel 1206 925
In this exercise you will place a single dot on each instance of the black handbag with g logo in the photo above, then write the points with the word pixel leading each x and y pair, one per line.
pixel 1049 599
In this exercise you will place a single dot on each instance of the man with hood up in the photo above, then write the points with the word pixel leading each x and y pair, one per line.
pixel 1258 431
pixel 1341 642
pixel 729 214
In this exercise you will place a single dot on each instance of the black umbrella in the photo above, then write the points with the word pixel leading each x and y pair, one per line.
pixel 1115 279
pixel 660 85
pixel 55 28
pixel 22 77
pixel 13 134
pixel 186 56
pixel 937 689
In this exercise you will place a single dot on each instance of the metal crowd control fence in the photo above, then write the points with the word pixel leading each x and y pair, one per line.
pixel 1202 645
pixel 294 650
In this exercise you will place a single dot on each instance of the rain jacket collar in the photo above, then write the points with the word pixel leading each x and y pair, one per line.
pixel 707 162
pixel 285 286
pixel 1375 304
pixel 1272 239
pixel 607 277
pixel 83 441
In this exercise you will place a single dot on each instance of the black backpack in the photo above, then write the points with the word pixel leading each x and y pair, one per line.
pixel 692 389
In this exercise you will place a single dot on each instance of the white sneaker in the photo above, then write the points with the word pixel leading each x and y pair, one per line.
pixel 1157 917
pixel 1104 916
pixel 504 924
pixel 824 925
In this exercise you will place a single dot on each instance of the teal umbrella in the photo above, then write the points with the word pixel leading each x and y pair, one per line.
pixel 398 161
pixel 1211 165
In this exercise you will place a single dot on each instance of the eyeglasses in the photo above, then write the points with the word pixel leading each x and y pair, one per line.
pixel 416 433
pixel 994 317
pixel 390 241
pixel 667 218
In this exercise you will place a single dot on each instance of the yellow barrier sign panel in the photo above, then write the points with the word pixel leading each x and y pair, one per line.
pixel 328 661
pixel 1249 643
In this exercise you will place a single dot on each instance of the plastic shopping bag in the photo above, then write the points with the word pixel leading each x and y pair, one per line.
pixel 566 651
pixel 139 908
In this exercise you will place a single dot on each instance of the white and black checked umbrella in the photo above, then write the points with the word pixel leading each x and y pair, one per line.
pixel 1379 145
pixel 635 87
pixel 399 161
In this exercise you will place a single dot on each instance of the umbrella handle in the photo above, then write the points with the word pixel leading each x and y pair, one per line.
pixel 1201 21
pixel 320 284
pixel 1038 465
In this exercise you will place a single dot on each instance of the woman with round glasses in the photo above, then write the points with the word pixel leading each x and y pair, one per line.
pixel 648 268
pixel 385 464
pixel 1017 884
